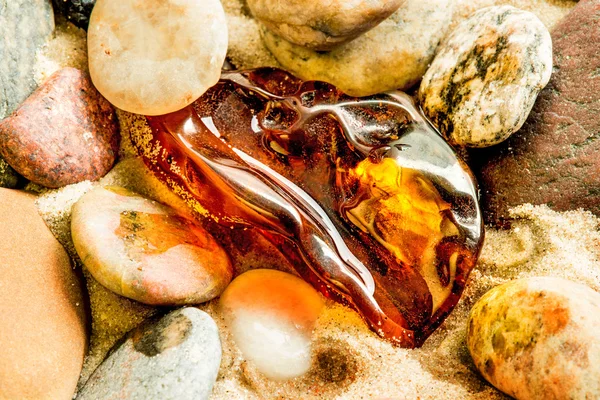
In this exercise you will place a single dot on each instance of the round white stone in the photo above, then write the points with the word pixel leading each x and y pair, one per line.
pixel 154 57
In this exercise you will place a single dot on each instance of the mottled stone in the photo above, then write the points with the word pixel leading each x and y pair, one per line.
pixel 42 308
pixel 18 49
pixel 393 55
pixel 486 76
pixel 25 25
pixel 154 57
pixel 554 159
pixel 146 251
pixel 271 315
pixel 76 11
pixel 321 24
pixel 64 133
pixel 537 338
pixel 174 358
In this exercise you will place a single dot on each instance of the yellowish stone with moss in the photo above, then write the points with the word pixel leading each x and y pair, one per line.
pixel 537 338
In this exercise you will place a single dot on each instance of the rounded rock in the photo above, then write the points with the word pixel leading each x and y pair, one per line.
pixel 43 327
pixel 537 338
pixel 146 251
pixel 271 315
pixel 485 78
pixel 393 55
pixel 175 357
pixel 321 24
pixel 64 133
pixel 155 57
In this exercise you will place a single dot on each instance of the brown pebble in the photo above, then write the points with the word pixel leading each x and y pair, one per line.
pixel 42 319
pixel 64 133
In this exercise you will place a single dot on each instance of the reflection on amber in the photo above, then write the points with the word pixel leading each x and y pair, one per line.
pixel 403 211
pixel 363 196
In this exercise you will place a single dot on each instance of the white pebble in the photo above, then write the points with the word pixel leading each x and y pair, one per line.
pixel 155 57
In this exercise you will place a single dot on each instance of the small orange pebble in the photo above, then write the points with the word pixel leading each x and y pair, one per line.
pixel 271 315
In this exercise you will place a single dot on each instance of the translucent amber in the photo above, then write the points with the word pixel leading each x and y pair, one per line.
pixel 362 195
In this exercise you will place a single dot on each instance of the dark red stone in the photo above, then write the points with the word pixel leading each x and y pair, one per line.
pixel 555 158
pixel 64 133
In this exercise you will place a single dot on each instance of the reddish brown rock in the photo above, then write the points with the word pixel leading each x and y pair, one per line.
pixel 555 158
pixel 64 133
pixel 42 319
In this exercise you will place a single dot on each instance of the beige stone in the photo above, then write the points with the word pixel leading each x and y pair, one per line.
pixel 154 57
pixel 42 319
pixel 393 55
pixel 321 24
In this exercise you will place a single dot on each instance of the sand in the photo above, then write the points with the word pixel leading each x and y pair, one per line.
pixel 350 361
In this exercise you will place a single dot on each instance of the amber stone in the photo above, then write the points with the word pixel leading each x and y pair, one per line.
pixel 362 195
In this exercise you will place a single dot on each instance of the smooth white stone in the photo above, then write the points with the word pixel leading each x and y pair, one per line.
pixel 154 57
pixel 271 315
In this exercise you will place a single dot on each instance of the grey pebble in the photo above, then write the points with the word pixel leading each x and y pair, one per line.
pixel 175 357
pixel 25 25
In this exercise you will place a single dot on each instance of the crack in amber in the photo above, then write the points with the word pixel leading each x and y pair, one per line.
pixel 361 195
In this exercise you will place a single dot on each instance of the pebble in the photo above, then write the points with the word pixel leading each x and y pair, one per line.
pixel 42 319
pixel 485 78
pixel 156 57
pixel 18 47
pixel 271 315
pixel 537 338
pixel 176 357
pixel 393 55
pixel 322 24
pixel 146 251
pixel 64 133
pixel 553 159
pixel 76 11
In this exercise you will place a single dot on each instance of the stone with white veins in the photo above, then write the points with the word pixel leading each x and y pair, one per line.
pixel 271 315
pixel 176 357
pixel 154 57
pixel 484 80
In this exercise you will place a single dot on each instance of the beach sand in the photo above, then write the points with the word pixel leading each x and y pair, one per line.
pixel 350 362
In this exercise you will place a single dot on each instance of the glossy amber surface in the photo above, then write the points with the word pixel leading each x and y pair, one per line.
pixel 362 195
